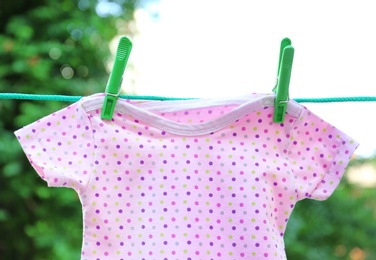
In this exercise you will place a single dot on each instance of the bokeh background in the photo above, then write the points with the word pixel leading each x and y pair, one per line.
pixel 66 47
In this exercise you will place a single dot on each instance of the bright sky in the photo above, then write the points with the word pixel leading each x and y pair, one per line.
pixel 217 48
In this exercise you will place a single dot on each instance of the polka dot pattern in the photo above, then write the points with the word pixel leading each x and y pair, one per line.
pixel 148 193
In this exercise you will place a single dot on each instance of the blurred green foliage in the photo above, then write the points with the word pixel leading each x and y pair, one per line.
pixel 62 47
pixel 342 227
pixel 47 47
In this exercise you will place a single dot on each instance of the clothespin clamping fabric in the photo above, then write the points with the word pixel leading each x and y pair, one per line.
pixel 286 56
pixel 116 77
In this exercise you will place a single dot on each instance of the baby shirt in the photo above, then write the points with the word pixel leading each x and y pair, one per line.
pixel 187 179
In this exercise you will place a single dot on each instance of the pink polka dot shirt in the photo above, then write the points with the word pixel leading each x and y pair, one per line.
pixel 188 179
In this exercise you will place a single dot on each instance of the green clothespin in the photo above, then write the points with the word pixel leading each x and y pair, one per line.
pixel 286 56
pixel 116 77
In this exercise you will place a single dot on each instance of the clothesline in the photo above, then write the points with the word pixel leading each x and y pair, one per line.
pixel 66 98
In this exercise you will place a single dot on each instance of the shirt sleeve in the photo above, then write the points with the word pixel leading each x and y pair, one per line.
pixel 60 147
pixel 318 155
